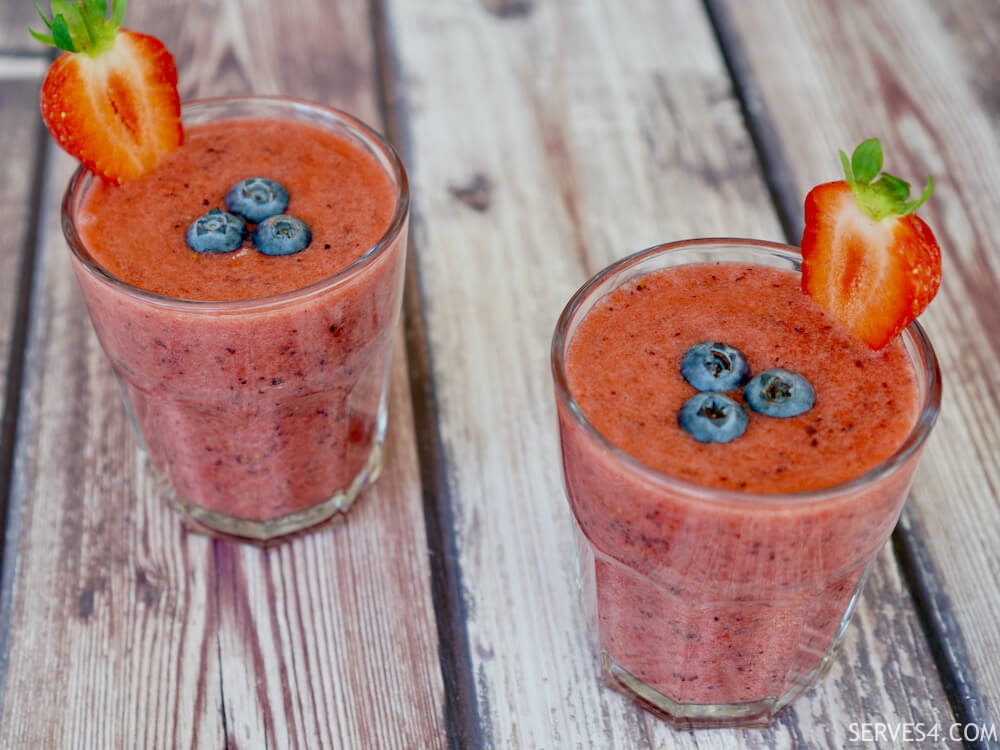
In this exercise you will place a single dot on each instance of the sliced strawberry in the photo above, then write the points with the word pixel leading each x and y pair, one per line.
pixel 111 99
pixel 867 259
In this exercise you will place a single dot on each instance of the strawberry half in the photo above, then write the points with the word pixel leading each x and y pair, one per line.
pixel 110 99
pixel 867 259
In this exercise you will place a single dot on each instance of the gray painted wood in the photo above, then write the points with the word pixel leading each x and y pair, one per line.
pixel 543 140
pixel 922 77
pixel 16 17
pixel 124 629
pixel 20 136
pixel 603 132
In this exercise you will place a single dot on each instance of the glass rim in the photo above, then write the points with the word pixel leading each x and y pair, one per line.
pixel 929 407
pixel 360 130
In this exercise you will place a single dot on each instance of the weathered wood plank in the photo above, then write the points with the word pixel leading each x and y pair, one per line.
pixel 128 631
pixel 544 141
pixel 19 149
pixel 16 17
pixel 922 77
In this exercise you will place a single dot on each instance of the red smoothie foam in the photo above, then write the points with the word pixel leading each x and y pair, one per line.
pixel 720 589
pixel 340 191
pixel 265 397
pixel 866 405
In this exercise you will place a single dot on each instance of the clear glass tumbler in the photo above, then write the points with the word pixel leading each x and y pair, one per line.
pixel 716 608
pixel 265 416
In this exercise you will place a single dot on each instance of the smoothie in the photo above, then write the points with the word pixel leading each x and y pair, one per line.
pixel 257 382
pixel 722 575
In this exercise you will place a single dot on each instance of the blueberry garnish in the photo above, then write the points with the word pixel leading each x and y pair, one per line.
pixel 281 235
pixel 712 418
pixel 216 232
pixel 257 198
pixel 711 366
pixel 779 393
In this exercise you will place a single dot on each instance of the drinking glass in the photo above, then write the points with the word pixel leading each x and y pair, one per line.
pixel 258 417
pixel 716 607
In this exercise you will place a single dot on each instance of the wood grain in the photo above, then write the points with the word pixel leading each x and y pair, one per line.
pixel 602 133
pixel 921 76
pixel 125 629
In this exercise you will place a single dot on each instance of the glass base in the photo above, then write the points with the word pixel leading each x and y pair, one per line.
pixel 245 529
pixel 686 716
pixel 801 674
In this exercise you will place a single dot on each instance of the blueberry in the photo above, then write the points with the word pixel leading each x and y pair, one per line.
pixel 711 366
pixel 779 393
pixel 712 418
pixel 257 198
pixel 216 232
pixel 281 235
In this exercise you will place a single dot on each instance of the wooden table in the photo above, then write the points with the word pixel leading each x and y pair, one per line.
pixel 544 138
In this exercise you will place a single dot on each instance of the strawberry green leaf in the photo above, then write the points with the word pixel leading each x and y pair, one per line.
pixel 70 14
pixel 61 34
pixel 912 206
pixel 81 26
pixel 96 8
pixel 44 38
pixel 845 162
pixel 866 161
pixel 893 187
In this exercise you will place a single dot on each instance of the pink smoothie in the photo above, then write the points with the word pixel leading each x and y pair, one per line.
pixel 265 397
pixel 731 597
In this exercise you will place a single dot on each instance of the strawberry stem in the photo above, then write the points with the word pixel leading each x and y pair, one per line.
pixel 81 26
pixel 886 196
